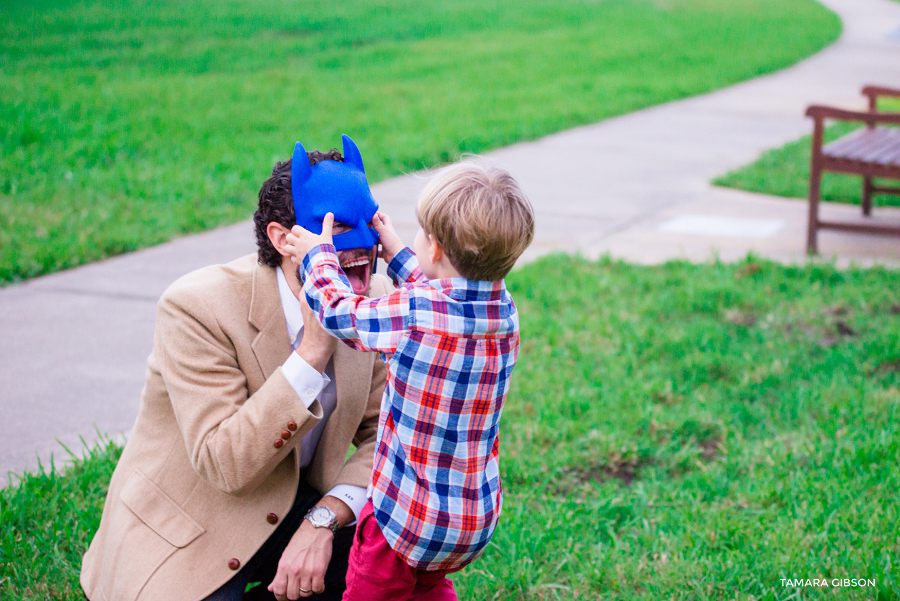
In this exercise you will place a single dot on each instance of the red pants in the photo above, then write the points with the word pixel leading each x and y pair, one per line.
pixel 377 573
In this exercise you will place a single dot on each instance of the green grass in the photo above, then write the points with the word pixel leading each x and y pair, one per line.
pixel 126 123
pixel 688 432
pixel 785 171
pixel 47 520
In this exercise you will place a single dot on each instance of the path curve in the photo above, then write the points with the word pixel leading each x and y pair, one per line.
pixel 75 344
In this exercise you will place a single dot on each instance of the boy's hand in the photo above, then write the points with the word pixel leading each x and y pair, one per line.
pixel 300 241
pixel 390 241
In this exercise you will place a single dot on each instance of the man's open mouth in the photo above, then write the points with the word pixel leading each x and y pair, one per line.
pixel 358 271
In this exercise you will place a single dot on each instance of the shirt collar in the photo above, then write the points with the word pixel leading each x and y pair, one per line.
pixel 461 289
pixel 293 312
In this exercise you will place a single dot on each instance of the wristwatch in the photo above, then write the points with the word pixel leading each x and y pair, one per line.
pixel 322 517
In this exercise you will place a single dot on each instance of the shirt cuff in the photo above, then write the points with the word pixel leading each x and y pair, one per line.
pixel 322 252
pixel 304 379
pixel 353 496
pixel 402 266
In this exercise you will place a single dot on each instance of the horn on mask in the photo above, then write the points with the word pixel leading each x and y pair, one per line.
pixel 351 153
pixel 300 168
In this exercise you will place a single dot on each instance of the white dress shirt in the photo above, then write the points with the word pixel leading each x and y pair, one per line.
pixel 311 385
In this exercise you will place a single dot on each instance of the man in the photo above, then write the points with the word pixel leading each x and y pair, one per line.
pixel 237 468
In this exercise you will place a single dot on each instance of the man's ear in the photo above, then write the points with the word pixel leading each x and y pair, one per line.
pixel 277 234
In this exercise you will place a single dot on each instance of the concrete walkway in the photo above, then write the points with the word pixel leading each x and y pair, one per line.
pixel 74 344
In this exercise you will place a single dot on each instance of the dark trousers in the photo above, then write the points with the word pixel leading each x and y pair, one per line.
pixel 263 565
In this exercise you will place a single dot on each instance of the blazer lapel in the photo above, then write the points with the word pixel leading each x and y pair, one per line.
pixel 271 345
pixel 352 378
pixel 350 365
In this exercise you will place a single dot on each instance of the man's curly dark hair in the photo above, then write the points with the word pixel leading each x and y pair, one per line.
pixel 276 204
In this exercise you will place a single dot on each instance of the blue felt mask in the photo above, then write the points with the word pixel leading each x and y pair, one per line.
pixel 335 187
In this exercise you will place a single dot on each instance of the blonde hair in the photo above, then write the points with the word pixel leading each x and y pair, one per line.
pixel 479 216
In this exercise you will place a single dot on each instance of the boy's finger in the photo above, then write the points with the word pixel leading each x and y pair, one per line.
pixel 328 224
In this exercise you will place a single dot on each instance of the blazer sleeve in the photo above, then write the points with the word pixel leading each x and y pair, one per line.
pixel 229 434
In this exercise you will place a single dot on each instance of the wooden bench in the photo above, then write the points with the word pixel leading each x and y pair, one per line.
pixel 872 151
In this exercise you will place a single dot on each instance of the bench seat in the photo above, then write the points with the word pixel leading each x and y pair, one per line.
pixel 877 146
pixel 870 152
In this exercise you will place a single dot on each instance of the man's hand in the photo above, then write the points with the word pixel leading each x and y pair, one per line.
pixel 301 569
pixel 317 345
pixel 300 241
pixel 304 561
pixel 390 241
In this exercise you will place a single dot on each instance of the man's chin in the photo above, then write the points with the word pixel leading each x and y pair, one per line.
pixel 358 282
pixel 359 279
pixel 358 271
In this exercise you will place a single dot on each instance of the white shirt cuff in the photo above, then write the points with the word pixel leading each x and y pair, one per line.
pixel 353 496
pixel 304 379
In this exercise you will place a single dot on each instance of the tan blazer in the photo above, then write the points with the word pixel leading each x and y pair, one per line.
pixel 201 471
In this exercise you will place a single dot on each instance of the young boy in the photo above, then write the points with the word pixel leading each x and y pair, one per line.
pixel 450 334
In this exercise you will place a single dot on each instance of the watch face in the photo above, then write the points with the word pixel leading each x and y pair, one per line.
pixel 321 517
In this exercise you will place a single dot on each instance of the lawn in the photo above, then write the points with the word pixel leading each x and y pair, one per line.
pixel 687 432
pixel 785 171
pixel 127 123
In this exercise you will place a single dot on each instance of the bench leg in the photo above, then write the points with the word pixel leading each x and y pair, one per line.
pixel 815 181
pixel 815 184
pixel 867 196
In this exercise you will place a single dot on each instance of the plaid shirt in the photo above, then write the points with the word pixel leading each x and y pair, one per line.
pixel 450 347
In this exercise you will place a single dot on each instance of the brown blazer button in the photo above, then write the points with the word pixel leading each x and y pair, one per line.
pixel 292 426
pixel 234 563
pixel 279 443
pixel 272 518
pixel 285 434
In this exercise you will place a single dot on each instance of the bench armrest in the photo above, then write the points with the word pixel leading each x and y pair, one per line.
pixel 873 92
pixel 820 113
